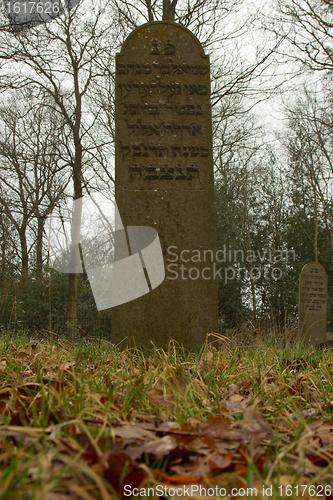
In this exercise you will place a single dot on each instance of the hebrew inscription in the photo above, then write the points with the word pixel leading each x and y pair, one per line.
pixel 313 303
pixel 170 89
pixel 164 173
pixel 153 109
pixel 163 111
pixel 151 129
pixel 161 150
pixel 162 69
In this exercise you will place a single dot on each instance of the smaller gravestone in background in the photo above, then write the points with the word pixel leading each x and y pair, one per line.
pixel 312 308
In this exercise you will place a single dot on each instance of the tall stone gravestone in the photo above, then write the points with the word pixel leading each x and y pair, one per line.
pixel 312 313
pixel 164 179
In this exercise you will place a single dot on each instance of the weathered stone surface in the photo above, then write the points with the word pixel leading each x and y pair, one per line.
pixel 164 179
pixel 312 309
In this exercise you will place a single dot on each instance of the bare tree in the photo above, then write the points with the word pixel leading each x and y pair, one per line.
pixel 10 265
pixel 306 27
pixel 309 145
pixel 200 16
pixel 62 61
pixel 30 167
pixel 71 61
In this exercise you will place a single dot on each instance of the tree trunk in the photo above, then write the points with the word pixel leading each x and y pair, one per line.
pixel 316 228
pixel 169 9
pixel 3 255
pixel 72 298
pixel 39 248
pixel 25 258
pixel 250 264
pixel 150 12
pixel 75 229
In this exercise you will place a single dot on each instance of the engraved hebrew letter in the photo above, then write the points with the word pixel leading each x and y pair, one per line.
pixel 154 85
pixel 122 68
pixel 162 149
pixel 135 169
pixel 153 129
pixel 196 129
pixel 143 127
pixel 160 85
pixel 145 88
pixel 181 176
pixel 154 50
pixel 153 109
pixel 129 126
pixel 128 88
pixel 167 127
pixel 154 175
pixel 172 89
pixel 167 176
pixel 124 148
pixel 194 150
pixel 203 90
pixel 136 150
pixel 169 48
pixel 177 68
pixel 133 109
pixel 153 148
pixel 165 69
pixel 192 169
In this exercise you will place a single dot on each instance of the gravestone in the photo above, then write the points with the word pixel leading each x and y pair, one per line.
pixel 164 179
pixel 312 309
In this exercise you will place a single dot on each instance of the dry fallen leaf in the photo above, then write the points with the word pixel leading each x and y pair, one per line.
pixel 216 426
pixel 207 361
pixel 237 403
pixel 158 448
pixel 254 421
pixel 235 388
pixel 159 399
pixel 130 433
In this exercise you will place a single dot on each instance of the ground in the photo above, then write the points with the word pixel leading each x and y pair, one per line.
pixel 87 421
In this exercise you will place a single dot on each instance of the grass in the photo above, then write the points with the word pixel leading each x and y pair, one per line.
pixel 85 420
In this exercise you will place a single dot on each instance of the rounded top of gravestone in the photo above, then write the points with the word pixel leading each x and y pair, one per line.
pixel 313 265
pixel 139 38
